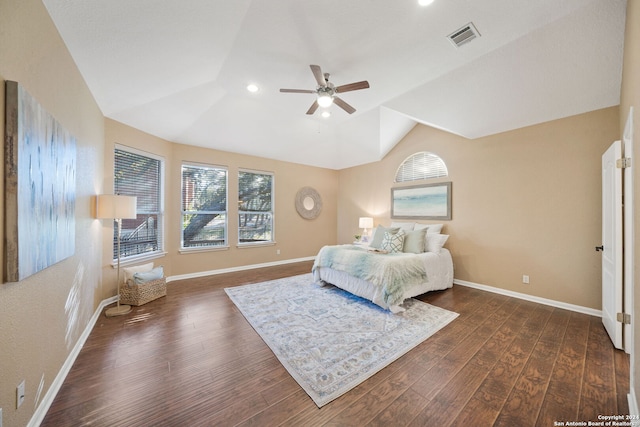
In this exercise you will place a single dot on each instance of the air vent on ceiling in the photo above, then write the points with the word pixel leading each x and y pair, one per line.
pixel 464 35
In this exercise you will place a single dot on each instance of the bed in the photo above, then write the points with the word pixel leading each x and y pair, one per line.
pixel 386 279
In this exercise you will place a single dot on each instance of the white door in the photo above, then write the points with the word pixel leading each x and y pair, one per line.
pixel 612 243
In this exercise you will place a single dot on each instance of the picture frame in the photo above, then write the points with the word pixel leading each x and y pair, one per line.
pixel 425 201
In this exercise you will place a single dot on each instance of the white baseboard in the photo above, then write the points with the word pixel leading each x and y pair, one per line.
pixel 239 268
pixel 532 298
pixel 47 400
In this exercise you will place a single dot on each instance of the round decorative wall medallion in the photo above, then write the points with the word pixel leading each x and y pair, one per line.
pixel 308 203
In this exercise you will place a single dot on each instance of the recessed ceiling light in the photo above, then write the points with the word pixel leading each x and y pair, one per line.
pixel 326 114
pixel 425 2
pixel 252 88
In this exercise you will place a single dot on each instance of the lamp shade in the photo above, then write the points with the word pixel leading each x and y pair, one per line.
pixel 113 206
pixel 365 222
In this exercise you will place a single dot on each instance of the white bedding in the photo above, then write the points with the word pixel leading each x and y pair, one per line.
pixel 438 266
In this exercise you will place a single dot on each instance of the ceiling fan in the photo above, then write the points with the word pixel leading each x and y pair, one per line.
pixel 326 91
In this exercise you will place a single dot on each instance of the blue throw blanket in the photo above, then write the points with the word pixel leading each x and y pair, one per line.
pixel 389 272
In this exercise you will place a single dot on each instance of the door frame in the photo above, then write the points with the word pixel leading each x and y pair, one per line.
pixel 628 239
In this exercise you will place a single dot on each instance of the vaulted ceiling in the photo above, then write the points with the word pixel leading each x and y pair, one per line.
pixel 178 69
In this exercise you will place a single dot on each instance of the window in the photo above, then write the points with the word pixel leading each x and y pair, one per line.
pixel 204 206
pixel 422 165
pixel 140 174
pixel 255 207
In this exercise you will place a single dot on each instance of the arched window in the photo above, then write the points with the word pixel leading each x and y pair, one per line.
pixel 422 165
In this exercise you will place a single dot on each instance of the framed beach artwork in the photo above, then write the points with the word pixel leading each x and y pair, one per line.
pixel 428 201
pixel 40 187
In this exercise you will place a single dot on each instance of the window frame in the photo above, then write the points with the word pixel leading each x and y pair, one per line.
pixel 225 245
pixel 160 251
pixel 414 176
pixel 272 241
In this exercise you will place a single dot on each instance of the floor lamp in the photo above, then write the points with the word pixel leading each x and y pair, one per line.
pixel 117 208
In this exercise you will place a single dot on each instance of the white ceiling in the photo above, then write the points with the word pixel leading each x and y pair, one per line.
pixel 178 69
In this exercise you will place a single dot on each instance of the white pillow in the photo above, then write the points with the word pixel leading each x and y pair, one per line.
pixel 434 229
pixel 435 242
pixel 406 226
pixel 130 271
pixel 431 228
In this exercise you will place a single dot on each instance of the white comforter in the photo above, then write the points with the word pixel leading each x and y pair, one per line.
pixel 437 268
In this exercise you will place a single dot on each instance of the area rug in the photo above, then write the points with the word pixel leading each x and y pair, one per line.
pixel 328 339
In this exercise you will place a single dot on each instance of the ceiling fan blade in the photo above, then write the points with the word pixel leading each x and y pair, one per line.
pixel 353 86
pixel 297 91
pixel 317 73
pixel 313 108
pixel 346 107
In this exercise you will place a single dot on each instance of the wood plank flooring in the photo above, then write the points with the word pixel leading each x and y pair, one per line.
pixel 191 359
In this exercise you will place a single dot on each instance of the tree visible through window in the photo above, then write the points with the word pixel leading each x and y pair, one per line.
pixel 204 206
pixel 139 175
pixel 255 207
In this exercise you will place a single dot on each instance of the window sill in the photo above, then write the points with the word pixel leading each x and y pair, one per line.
pixel 137 259
pixel 185 251
pixel 255 244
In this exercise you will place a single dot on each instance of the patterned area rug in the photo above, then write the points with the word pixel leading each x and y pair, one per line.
pixel 328 339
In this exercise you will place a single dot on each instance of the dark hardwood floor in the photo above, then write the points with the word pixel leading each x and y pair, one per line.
pixel 191 359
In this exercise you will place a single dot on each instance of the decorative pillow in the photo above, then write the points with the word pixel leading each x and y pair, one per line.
pixel 406 226
pixel 130 271
pixel 435 242
pixel 378 236
pixel 393 242
pixel 414 241
pixel 431 228
pixel 147 276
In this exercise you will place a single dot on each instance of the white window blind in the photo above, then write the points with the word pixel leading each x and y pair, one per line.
pixel 140 175
pixel 422 165
pixel 204 206
pixel 255 207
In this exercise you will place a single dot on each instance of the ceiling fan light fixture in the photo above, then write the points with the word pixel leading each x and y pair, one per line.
pixel 326 92
pixel 325 100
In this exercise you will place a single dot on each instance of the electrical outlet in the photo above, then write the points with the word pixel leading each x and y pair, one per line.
pixel 525 279
pixel 277 251
pixel 20 394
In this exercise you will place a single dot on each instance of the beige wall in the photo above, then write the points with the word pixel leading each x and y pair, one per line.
pixel 295 237
pixel 630 96
pixel 524 202
pixel 42 317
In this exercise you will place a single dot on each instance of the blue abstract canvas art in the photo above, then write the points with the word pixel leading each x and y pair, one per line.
pixel 429 201
pixel 40 187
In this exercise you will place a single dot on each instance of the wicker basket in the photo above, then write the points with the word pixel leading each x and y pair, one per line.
pixel 132 294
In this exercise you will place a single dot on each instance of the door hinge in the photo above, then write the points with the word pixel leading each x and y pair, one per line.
pixel 624 318
pixel 624 162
